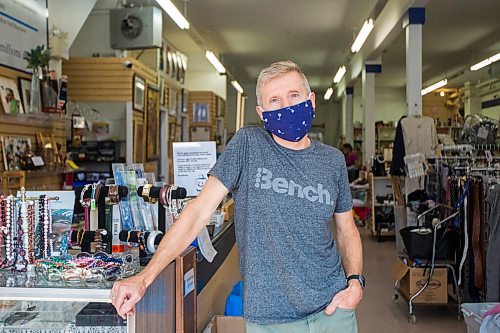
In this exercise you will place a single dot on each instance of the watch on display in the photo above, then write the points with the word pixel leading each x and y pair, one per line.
pixel 145 194
pixel 360 278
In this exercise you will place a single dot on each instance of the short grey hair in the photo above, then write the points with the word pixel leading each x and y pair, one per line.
pixel 275 70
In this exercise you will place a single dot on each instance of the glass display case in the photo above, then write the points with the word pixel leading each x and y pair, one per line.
pixel 29 304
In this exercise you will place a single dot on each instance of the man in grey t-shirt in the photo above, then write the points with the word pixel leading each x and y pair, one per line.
pixel 286 187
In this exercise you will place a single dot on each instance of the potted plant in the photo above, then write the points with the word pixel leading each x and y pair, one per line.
pixel 38 61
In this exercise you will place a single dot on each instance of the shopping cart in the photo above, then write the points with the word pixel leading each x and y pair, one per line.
pixel 435 235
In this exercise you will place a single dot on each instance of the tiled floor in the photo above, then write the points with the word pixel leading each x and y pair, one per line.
pixel 378 313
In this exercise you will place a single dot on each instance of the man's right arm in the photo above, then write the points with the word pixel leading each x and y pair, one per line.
pixel 193 219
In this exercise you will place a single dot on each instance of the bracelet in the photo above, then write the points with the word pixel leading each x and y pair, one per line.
pixel 150 240
pixel 146 189
pixel 128 239
pixel 72 276
pixel 93 276
pixel 82 196
pixel 163 197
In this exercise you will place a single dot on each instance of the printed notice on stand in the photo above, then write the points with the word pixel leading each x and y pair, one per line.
pixel 192 162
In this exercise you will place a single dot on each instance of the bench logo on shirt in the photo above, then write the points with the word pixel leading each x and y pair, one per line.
pixel 265 181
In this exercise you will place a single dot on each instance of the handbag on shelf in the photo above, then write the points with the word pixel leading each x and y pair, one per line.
pixel 378 166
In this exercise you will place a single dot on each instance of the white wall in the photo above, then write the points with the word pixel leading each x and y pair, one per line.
pixel 493 112
pixel 390 103
pixel 112 112
pixel 69 18
pixel 94 35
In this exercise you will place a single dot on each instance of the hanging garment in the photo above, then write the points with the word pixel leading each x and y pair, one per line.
pixel 477 235
pixel 420 136
pixel 492 257
pixel 398 152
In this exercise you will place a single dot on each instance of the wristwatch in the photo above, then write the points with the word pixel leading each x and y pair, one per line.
pixel 360 278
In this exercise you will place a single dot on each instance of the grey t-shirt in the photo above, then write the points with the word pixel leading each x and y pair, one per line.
pixel 284 202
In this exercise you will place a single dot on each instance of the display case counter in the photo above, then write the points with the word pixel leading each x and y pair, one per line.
pixel 29 304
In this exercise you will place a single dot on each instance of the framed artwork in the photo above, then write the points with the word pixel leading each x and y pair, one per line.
pixel 184 93
pixel 172 107
pixel 178 102
pixel 139 92
pixel 169 63
pixel 14 151
pixel 171 131
pixel 138 141
pixel 200 112
pixel 174 65
pixel 161 86
pixel 25 93
pixel 161 58
pixel 152 122
pixel 9 94
pixel 184 68
pixel 199 133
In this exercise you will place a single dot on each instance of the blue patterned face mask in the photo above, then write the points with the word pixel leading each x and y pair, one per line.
pixel 291 123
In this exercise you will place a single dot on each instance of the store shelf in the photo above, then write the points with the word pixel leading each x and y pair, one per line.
pixel 383 205
pixel 55 294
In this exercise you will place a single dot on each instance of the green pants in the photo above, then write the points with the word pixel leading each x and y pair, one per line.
pixel 342 321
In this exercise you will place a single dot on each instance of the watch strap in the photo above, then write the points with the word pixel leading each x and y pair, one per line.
pixel 360 278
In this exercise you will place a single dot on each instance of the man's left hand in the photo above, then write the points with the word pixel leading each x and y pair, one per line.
pixel 348 298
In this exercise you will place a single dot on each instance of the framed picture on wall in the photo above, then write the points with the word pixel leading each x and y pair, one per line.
pixel 139 92
pixel 172 106
pixel 152 122
pixel 138 141
pixel 160 59
pixel 25 93
pixel 161 86
pixel 200 112
pixel 184 93
pixel 171 131
pixel 200 133
pixel 9 94
pixel 169 64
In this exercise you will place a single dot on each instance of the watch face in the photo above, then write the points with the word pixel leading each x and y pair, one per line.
pixel 362 280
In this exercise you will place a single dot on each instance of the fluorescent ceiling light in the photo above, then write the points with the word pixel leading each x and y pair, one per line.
pixel 174 13
pixel 328 94
pixel 237 86
pixel 485 62
pixel 215 62
pixel 435 86
pixel 362 36
pixel 340 74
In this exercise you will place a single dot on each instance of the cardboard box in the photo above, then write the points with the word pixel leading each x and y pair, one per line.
pixel 223 324
pixel 412 279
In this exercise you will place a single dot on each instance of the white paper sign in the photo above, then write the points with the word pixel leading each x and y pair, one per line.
pixel 23 26
pixel 205 244
pixel 192 161
pixel 188 282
